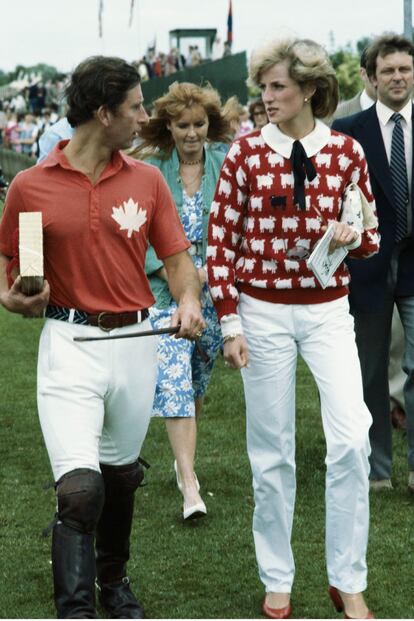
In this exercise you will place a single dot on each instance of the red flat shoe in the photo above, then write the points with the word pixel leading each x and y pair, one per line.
pixel 276 613
pixel 339 604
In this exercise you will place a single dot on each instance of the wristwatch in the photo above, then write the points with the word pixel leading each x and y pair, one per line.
pixel 230 337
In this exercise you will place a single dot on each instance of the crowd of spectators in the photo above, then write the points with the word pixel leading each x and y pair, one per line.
pixel 159 64
pixel 28 113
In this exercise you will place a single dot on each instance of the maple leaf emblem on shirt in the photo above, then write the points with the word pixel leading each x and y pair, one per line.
pixel 129 217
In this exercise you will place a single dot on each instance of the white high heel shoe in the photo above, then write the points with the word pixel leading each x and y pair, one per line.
pixel 179 484
pixel 195 511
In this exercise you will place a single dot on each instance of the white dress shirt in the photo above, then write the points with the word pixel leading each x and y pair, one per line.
pixel 387 126
pixel 365 100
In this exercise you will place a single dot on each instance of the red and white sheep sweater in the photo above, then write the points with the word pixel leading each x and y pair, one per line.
pixel 253 220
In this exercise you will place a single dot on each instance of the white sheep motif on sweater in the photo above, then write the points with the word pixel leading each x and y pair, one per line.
pixel 254 222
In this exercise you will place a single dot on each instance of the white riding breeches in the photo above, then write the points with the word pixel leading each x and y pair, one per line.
pixel 94 398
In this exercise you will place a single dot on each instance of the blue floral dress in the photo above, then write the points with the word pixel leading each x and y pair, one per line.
pixel 183 371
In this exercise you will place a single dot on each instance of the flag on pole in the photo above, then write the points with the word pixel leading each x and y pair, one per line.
pixel 230 25
pixel 131 13
pixel 100 11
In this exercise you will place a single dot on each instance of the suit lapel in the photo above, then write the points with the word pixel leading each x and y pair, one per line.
pixel 371 139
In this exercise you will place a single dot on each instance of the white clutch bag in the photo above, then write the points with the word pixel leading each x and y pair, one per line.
pixel 356 210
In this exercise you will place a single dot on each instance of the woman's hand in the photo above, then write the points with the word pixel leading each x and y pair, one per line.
pixel 236 353
pixel 344 235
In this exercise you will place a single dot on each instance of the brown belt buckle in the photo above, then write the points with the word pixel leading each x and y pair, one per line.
pixel 100 317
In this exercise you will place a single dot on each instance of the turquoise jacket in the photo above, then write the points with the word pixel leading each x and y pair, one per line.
pixel 170 171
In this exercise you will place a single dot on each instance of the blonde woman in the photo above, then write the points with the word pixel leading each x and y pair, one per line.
pixel 176 140
pixel 283 183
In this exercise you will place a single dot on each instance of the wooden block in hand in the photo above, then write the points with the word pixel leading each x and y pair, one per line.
pixel 31 251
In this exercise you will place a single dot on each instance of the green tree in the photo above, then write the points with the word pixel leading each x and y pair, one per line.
pixel 362 43
pixel 46 71
pixel 347 73
pixel 346 62
pixel 4 78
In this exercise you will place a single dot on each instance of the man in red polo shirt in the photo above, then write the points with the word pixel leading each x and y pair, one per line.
pixel 100 209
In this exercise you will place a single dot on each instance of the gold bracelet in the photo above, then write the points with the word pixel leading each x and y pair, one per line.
pixel 230 337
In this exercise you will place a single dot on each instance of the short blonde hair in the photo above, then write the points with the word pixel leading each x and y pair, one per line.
pixel 309 64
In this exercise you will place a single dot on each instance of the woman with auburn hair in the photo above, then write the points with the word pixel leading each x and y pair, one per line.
pixel 282 185
pixel 176 140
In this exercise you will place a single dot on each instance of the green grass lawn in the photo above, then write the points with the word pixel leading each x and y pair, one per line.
pixel 204 569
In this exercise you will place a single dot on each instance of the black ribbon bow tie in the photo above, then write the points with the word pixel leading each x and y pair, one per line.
pixel 302 167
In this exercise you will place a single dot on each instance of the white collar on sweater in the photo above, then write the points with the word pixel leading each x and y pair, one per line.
pixel 281 143
pixel 385 113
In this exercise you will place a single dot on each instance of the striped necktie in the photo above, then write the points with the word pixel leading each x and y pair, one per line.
pixel 398 169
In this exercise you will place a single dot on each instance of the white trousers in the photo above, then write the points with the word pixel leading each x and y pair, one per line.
pixel 94 398
pixel 323 334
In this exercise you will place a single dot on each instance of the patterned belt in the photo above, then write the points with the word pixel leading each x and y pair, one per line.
pixel 105 321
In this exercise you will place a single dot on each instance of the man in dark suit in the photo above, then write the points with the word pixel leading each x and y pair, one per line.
pixel 396 377
pixel 385 132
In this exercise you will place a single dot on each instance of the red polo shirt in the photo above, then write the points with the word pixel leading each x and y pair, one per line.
pixel 96 236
